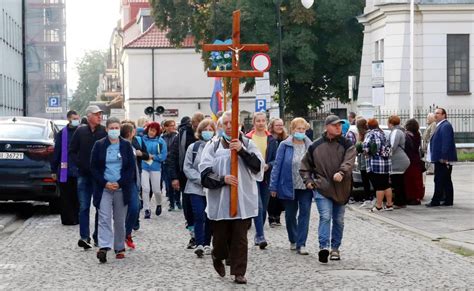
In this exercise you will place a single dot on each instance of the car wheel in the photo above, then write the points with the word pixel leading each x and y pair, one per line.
pixel 54 206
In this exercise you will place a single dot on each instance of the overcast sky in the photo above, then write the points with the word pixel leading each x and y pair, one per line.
pixel 89 26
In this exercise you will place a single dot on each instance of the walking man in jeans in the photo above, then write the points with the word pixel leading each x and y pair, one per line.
pixel 327 168
pixel 80 151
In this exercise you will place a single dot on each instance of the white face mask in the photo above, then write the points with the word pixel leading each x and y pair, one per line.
pixel 75 122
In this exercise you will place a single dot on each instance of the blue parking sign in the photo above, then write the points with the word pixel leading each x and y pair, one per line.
pixel 260 105
pixel 54 101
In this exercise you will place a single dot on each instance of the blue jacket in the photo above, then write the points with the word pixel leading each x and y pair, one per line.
pixel 442 145
pixel 152 145
pixel 127 173
pixel 282 177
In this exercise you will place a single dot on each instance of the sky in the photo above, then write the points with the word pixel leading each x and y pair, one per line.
pixel 89 26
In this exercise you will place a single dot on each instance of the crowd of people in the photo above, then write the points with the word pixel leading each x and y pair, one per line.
pixel 118 168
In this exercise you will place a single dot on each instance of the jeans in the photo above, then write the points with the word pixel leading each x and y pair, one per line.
pixel 202 231
pixel 328 210
pixel 112 207
pixel 84 192
pixel 172 194
pixel 133 211
pixel 263 198
pixel 298 229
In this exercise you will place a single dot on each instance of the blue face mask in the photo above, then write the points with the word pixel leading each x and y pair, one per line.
pixel 226 137
pixel 114 133
pixel 299 135
pixel 75 122
pixel 220 131
pixel 207 135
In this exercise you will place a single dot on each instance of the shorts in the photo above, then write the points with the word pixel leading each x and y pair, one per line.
pixel 380 182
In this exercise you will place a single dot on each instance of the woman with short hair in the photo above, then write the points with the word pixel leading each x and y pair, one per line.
pixel 290 188
pixel 400 161
pixel 113 169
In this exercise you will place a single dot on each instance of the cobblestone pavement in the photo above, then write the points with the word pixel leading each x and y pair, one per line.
pixel 43 255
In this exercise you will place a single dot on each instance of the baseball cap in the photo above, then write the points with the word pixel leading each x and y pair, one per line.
pixel 333 119
pixel 93 109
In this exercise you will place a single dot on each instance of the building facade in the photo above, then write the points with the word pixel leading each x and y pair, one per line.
pixel 45 58
pixel 443 60
pixel 11 58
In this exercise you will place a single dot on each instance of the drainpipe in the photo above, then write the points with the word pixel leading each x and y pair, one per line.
pixel 153 80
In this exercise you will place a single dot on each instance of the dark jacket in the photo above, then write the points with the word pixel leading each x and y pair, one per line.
pixel 72 170
pixel 169 139
pixel 81 146
pixel 127 173
pixel 324 158
pixel 177 153
pixel 282 176
pixel 442 145
pixel 141 147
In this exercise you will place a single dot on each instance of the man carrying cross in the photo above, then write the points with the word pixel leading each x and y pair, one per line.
pixel 230 232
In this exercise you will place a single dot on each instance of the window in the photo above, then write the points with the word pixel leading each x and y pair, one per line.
pixel 378 50
pixel 458 63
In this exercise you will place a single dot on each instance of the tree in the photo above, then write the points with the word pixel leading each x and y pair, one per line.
pixel 89 68
pixel 321 46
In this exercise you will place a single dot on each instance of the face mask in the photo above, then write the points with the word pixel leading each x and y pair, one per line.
pixel 75 122
pixel 299 135
pixel 226 137
pixel 114 133
pixel 207 135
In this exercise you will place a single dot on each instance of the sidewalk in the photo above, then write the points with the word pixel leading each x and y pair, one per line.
pixel 453 226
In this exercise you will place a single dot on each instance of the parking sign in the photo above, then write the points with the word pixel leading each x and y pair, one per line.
pixel 260 105
pixel 54 101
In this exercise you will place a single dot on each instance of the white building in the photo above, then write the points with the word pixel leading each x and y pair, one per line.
pixel 11 58
pixel 153 69
pixel 443 62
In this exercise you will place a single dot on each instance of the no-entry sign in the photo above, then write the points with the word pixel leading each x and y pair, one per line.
pixel 261 62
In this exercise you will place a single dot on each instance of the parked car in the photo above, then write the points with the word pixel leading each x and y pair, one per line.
pixel 60 123
pixel 26 149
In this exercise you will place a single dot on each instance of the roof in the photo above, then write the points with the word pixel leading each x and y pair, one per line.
pixel 154 37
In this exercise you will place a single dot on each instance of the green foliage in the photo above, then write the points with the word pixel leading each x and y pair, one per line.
pixel 321 46
pixel 89 69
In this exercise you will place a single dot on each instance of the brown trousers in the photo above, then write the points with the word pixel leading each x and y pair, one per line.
pixel 229 241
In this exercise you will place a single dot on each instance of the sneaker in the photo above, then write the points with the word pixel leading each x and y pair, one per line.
pixel 388 208
pixel 323 256
pixel 335 256
pixel 207 250
pixel 376 209
pixel 351 200
pixel 293 246
pixel 302 251
pixel 158 210
pixel 199 251
pixel 137 225
pixel 102 255
pixel 129 242
pixel 171 208
pixel 273 224
pixel 367 204
pixel 120 254
pixel 147 214
pixel 191 244
pixel 178 204
pixel 85 243
pixel 263 244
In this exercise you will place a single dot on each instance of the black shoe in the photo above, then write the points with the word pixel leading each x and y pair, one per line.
pixel 102 255
pixel 323 255
pixel 218 266
pixel 431 204
pixel 191 243
pixel 137 225
pixel 86 244
pixel 178 204
pixel 263 244
pixel 239 279
pixel 446 204
pixel 158 210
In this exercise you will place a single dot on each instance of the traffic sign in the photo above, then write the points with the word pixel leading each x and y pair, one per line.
pixel 261 62
pixel 260 105
pixel 54 101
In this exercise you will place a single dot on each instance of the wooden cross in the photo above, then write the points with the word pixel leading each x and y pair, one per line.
pixel 235 74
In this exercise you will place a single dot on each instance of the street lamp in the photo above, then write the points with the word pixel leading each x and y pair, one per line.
pixel 281 102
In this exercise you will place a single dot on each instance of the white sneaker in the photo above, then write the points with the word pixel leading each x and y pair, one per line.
pixel 199 251
pixel 302 251
pixel 367 204
pixel 292 247
pixel 207 250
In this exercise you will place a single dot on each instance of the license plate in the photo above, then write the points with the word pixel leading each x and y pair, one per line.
pixel 11 156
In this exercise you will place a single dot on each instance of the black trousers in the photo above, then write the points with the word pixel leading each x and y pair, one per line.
pixel 275 207
pixel 69 202
pixel 229 241
pixel 443 184
pixel 397 182
pixel 186 202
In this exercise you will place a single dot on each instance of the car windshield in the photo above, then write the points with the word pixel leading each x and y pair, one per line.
pixel 21 131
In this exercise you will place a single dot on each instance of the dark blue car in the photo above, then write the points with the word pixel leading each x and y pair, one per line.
pixel 26 149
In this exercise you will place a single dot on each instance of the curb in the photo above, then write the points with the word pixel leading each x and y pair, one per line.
pixel 467 247
pixel 6 221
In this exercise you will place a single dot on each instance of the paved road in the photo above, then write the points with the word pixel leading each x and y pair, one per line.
pixel 43 254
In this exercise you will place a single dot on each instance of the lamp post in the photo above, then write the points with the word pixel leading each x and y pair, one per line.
pixel 281 101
